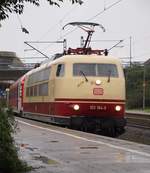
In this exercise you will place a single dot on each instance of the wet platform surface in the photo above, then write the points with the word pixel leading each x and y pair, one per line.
pixel 51 149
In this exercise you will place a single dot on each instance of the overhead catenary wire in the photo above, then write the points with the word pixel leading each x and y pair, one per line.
pixel 105 40
pixel 59 23
pixel 120 41
pixel 93 17
pixel 98 14
pixel 22 27
pixel 36 49
pixel 45 41
pixel 33 57
pixel 60 20
pixel 105 9
pixel 137 42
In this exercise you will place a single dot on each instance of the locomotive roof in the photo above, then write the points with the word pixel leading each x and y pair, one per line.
pixel 78 59
pixel 86 58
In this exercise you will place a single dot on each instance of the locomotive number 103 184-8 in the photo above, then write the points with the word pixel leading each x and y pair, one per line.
pixel 93 107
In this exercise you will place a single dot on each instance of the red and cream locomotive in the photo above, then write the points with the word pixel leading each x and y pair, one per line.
pixel 82 89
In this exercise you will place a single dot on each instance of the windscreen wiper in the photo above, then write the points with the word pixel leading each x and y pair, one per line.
pixel 109 74
pixel 84 75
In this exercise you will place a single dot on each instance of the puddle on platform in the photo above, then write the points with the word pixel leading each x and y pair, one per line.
pixel 84 152
pixel 54 141
pixel 31 148
pixel 89 147
pixel 45 160
pixel 26 146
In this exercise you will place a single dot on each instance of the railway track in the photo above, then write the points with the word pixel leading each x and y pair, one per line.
pixel 138 119
pixel 137 129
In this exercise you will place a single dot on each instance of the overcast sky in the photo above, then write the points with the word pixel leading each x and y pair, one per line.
pixel 126 18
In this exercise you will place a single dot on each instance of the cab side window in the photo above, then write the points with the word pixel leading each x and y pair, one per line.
pixel 60 70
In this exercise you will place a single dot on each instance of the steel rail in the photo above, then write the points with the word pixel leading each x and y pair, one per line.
pixel 139 120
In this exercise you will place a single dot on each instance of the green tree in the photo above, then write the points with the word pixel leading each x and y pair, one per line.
pixel 9 160
pixel 147 85
pixel 17 6
pixel 135 84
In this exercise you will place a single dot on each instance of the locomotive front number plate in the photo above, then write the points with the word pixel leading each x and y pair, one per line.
pixel 95 107
pixel 98 91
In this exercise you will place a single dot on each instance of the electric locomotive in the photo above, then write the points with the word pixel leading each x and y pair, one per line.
pixel 83 89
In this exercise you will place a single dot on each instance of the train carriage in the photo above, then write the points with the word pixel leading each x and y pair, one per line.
pixel 16 93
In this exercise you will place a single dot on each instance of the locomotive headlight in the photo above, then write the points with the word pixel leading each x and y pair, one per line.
pixel 98 82
pixel 118 108
pixel 76 107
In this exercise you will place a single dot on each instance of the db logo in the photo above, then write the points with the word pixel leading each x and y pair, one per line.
pixel 98 91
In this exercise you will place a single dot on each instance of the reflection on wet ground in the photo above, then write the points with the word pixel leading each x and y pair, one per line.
pixel 78 152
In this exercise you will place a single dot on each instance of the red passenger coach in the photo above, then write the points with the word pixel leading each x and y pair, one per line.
pixel 16 94
pixel 13 96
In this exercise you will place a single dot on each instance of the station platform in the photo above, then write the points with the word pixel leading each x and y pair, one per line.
pixel 52 149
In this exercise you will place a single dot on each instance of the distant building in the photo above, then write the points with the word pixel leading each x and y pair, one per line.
pixel 9 59
pixel 11 68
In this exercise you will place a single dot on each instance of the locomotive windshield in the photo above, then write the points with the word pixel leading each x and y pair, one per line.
pixel 93 69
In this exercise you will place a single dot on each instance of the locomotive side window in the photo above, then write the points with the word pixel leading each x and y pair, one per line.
pixel 46 74
pixel 60 70
pixel 39 76
pixel 27 91
pixel 43 89
pixel 31 91
pixel 93 69
pixel 35 88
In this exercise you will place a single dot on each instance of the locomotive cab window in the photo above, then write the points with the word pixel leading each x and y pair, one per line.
pixel 60 70
pixel 92 69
